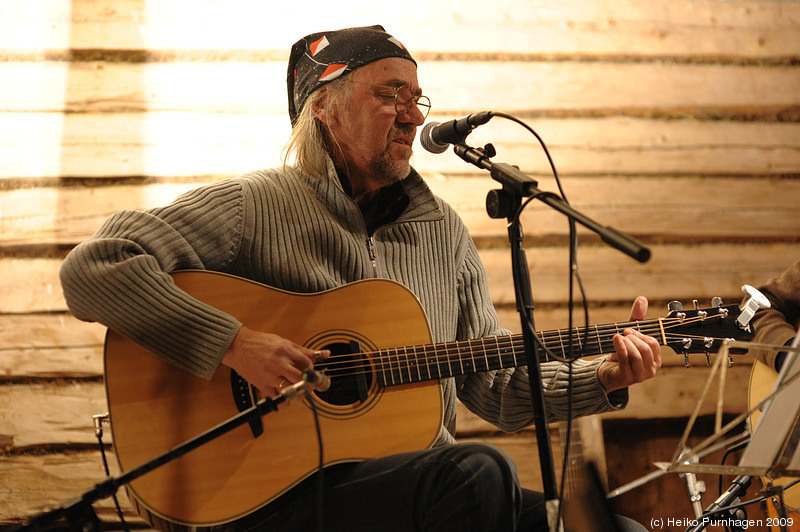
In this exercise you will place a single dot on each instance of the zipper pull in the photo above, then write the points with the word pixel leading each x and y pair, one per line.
pixel 372 256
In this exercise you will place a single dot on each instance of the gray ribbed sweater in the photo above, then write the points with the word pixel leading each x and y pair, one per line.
pixel 287 229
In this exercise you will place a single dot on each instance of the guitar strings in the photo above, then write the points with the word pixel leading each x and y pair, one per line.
pixel 407 361
pixel 458 347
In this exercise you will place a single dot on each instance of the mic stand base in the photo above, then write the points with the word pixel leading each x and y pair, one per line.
pixel 77 514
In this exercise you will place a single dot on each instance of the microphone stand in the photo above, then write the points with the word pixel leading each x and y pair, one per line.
pixel 79 513
pixel 506 203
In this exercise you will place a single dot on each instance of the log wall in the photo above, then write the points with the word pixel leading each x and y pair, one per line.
pixel 675 121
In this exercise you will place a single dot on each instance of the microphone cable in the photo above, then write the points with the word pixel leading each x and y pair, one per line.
pixel 320 480
pixel 574 277
pixel 98 431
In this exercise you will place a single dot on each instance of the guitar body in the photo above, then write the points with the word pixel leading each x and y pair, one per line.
pixel 762 381
pixel 155 406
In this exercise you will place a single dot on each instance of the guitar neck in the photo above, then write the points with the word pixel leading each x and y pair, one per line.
pixel 685 331
pixel 573 454
pixel 406 365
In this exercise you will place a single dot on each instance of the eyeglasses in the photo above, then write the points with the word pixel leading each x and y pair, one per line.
pixel 403 99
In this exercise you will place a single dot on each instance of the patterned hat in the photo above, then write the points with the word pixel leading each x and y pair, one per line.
pixel 322 57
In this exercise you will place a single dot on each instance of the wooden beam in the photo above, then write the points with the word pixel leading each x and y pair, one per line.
pixel 186 144
pixel 692 206
pixel 674 272
pixel 635 28
pixel 681 207
pixel 259 87
pixel 47 414
pixel 32 285
pixel 675 392
pixel 50 346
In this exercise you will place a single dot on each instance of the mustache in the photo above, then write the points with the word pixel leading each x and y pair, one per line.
pixel 403 133
pixel 405 130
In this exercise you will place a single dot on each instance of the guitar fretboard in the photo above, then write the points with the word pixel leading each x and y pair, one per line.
pixel 406 365
pixel 689 332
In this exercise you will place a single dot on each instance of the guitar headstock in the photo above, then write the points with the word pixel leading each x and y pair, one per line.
pixel 703 330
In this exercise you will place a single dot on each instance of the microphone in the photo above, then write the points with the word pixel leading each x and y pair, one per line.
pixel 315 380
pixel 738 487
pixel 436 137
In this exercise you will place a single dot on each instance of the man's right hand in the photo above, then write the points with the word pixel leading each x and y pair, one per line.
pixel 268 361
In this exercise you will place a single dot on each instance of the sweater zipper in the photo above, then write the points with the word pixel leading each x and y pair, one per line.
pixel 372 255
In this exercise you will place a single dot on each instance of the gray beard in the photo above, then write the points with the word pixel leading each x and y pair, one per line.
pixel 389 172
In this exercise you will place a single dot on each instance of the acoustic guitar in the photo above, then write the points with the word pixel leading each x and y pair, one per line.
pixel 384 396
pixel 762 381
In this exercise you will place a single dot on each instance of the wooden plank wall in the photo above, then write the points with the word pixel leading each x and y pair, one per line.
pixel 675 121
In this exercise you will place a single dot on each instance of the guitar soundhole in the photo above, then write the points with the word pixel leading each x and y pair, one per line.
pixel 350 373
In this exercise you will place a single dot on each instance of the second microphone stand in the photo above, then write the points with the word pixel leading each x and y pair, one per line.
pixel 79 514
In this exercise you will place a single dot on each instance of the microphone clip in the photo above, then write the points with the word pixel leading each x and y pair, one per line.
pixel 312 380
pixel 475 155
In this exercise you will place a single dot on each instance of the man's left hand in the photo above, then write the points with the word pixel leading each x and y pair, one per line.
pixel 637 357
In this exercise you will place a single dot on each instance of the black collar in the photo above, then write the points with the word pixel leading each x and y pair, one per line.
pixel 386 205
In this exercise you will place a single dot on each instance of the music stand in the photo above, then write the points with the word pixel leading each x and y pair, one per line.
pixel 791 377
pixel 773 448
pixel 780 416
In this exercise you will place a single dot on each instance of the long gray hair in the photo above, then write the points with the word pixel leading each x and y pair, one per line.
pixel 311 141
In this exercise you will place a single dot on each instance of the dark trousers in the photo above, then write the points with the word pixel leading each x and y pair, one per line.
pixel 464 487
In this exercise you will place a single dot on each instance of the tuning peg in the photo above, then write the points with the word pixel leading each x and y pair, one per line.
pixel 675 306
pixel 686 344
pixel 707 344
pixel 716 302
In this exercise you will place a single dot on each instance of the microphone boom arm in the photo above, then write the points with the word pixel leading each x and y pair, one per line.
pixel 522 185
